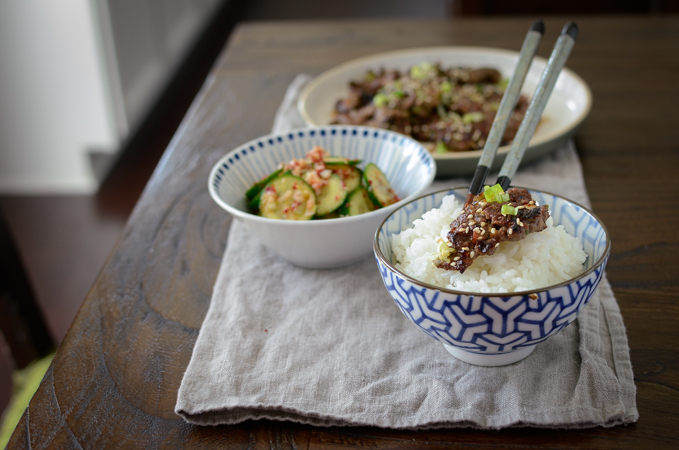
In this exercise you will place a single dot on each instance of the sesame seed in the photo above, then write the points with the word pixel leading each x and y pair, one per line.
pixel 472 223
pixel 479 210
pixel 493 231
pixel 471 255
pixel 497 245
pixel 466 249
pixel 470 216
pixel 510 231
pixel 457 258
pixel 482 204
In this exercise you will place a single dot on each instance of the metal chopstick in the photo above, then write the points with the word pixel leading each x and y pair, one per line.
pixel 509 99
pixel 557 60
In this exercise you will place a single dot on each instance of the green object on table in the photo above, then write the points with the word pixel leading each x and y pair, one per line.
pixel 26 382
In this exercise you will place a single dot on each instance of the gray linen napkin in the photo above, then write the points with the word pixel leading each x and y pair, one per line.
pixel 330 347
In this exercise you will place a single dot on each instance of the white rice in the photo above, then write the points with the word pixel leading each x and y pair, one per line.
pixel 539 260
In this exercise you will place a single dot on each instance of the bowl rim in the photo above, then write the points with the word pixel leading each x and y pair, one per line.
pixel 314 223
pixel 390 266
pixel 357 62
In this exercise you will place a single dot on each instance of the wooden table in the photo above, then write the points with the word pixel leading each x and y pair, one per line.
pixel 115 378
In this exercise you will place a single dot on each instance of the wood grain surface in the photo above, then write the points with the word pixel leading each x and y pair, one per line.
pixel 114 380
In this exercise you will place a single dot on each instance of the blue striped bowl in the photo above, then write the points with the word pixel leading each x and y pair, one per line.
pixel 494 329
pixel 328 243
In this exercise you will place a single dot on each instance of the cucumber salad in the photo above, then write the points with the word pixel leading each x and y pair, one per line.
pixel 320 186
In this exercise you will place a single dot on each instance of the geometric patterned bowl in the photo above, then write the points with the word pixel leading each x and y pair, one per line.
pixel 327 243
pixel 494 329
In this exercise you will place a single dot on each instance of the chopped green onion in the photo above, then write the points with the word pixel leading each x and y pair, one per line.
pixel 508 209
pixel 491 192
pixel 441 147
pixel 502 197
pixel 472 117
pixel 422 71
pixel 444 250
pixel 446 86
pixel 502 84
pixel 380 100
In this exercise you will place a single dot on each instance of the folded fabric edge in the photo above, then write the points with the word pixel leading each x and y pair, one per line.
pixel 280 413
pixel 621 351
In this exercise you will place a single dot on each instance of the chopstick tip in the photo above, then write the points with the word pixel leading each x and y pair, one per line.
pixel 470 198
pixel 538 26
pixel 571 29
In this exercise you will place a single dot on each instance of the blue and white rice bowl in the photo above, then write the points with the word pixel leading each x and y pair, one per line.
pixel 327 243
pixel 494 329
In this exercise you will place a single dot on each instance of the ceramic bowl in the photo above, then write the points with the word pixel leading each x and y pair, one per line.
pixel 324 243
pixel 494 329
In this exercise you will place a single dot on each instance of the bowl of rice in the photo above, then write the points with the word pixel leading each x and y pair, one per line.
pixel 320 243
pixel 504 304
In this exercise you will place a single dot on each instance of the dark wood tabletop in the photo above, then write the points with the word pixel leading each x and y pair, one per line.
pixel 115 377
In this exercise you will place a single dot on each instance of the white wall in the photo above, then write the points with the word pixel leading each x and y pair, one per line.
pixel 53 104
pixel 76 76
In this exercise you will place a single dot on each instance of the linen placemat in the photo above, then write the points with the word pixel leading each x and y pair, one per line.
pixel 330 347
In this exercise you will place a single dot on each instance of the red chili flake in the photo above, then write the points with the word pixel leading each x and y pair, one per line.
pixel 265 330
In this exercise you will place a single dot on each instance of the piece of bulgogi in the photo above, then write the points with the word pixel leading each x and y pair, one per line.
pixel 482 226
pixel 452 109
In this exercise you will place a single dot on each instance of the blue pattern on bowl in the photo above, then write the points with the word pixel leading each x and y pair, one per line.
pixel 494 324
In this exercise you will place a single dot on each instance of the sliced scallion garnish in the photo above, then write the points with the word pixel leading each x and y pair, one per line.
pixel 380 100
pixel 472 117
pixel 491 192
pixel 441 147
pixel 502 197
pixel 508 209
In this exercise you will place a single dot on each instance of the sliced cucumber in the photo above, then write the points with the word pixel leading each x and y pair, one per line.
pixel 287 197
pixel 332 215
pixel 254 203
pixel 258 186
pixel 358 202
pixel 379 189
pixel 332 195
pixel 351 176
pixel 340 161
